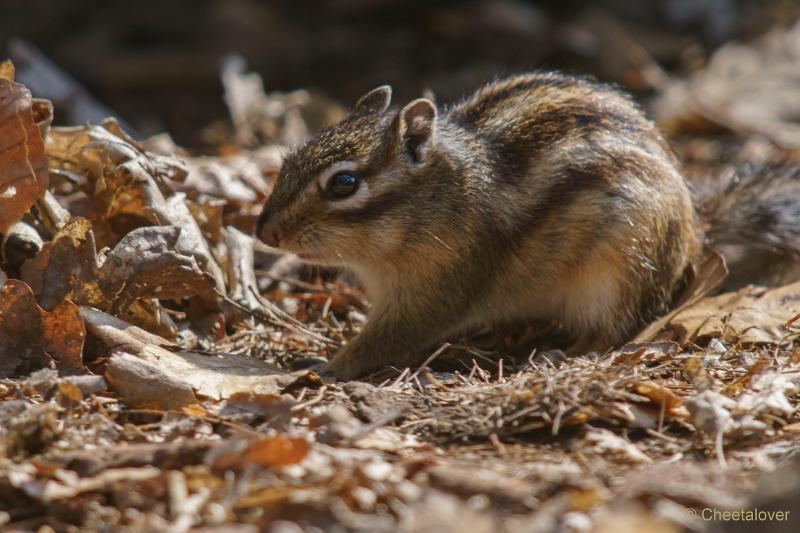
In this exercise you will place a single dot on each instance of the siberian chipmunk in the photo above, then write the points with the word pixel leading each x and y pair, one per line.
pixel 539 197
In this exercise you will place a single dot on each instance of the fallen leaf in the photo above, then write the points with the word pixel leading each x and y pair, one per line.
pixel 606 443
pixel 69 394
pixel 242 285
pixel 769 392
pixel 711 412
pixel 23 165
pixel 730 90
pixel 215 376
pixel 660 396
pixel 130 187
pixel 742 383
pixel 258 117
pixel 30 336
pixel 143 266
pixel 63 335
pixel 275 451
pixel 146 263
pixel 750 316
pixel 701 279
pixel 274 409
pixel 71 485
pixel 145 385
pixel 7 70
pixel 635 353
pixel 66 267
pixel 241 179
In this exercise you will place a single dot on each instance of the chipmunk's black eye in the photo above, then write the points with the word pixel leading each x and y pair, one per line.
pixel 343 185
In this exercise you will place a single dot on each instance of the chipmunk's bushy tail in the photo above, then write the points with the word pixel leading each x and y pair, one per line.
pixel 753 218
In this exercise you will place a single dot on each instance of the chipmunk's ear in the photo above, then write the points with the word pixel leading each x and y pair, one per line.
pixel 416 127
pixel 375 101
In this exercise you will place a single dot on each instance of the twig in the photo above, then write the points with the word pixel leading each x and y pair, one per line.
pixel 557 419
pixel 432 379
pixel 318 398
pixel 382 421
pixel 400 378
pixel 428 361
pixel 720 448
pixel 294 282
pixel 276 317
pixel 660 435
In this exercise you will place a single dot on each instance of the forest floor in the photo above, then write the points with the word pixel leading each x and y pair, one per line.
pixel 147 367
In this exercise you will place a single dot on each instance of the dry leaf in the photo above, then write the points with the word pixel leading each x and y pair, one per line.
pixel 242 286
pixel 259 118
pixel 130 187
pixel 275 451
pixel 69 394
pixel 7 70
pixel 635 353
pixel 702 278
pixel 750 316
pixel 274 409
pixel 63 335
pixel 145 385
pixel 218 376
pixel 71 485
pixel 606 443
pixel 142 266
pixel 23 165
pixel 731 90
pixel 711 412
pixel 146 263
pixel 241 179
pixel 742 383
pixel 21 349
pixel 769 392
pixel 660 396
pixel 29 335
pixel 66 267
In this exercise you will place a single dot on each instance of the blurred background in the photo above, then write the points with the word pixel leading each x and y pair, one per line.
pixel 156 64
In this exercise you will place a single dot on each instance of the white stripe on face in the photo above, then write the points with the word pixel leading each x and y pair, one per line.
pixel 358 199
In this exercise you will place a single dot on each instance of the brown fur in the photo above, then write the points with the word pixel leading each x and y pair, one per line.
pixel 540 197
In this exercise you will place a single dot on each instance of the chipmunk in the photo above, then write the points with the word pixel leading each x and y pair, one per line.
pixel 539 197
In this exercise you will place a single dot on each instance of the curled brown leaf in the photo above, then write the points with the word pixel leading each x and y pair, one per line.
pixel 23 165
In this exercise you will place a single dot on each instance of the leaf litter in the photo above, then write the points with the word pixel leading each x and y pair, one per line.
pixel 151 376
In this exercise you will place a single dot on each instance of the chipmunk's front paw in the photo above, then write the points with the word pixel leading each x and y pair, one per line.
pixel 345 368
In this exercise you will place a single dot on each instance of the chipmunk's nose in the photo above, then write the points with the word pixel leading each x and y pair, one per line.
pixel 270 236
pixel 267 230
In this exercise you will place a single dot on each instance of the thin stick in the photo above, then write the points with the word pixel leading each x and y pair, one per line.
pixel 309 403
pixel 382 421
pixel 433 356
pixel 720 449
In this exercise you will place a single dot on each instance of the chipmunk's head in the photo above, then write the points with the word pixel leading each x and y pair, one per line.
pixel 348 194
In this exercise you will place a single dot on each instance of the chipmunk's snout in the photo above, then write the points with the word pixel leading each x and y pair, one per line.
pixel 270 236
pixel 268 230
